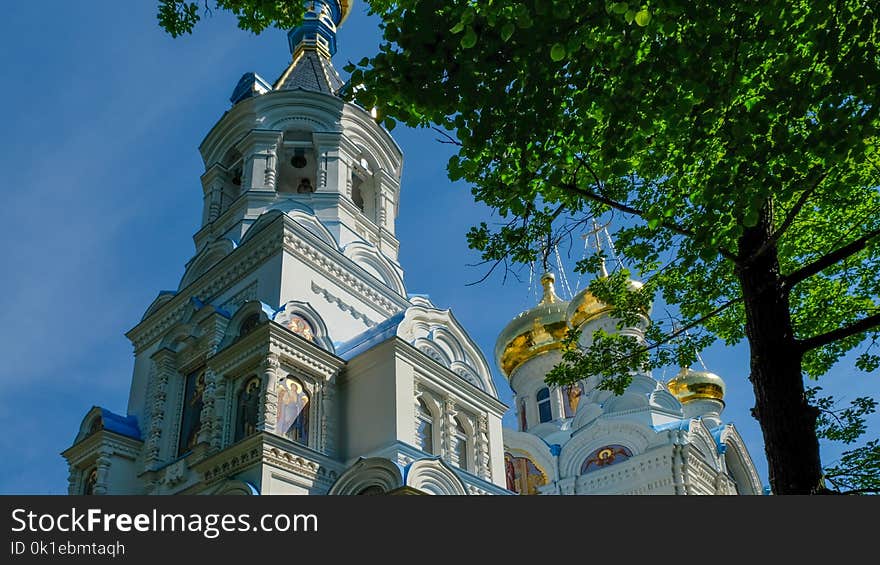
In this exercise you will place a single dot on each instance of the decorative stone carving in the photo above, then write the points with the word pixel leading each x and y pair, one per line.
pixel 482 446
pixel 342 305
pixel 175 473
pixel 270 366
pixel 164 367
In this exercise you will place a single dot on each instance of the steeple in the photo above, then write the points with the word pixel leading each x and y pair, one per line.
pixel 312 44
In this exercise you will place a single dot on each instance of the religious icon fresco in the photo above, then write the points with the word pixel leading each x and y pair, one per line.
pixel 248 409
pixel 605 457
pixel 190 420
pixel 571 397
pixel 523 476
pixel 293 411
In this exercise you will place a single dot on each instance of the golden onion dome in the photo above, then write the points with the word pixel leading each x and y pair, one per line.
pixel 585 306
pixel 533 332
pixel 690 385
pixel 346 9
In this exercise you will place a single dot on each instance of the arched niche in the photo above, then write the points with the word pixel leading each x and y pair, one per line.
pixel 304 321
pixel 298 162
pixel 209 256
pixel 434 476
pixel 246 319
pixel 373 473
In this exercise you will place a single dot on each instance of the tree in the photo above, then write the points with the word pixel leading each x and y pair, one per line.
pixel 735 144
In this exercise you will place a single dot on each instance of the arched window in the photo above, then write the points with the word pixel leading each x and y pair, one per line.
pixel 363 192
pixel 424 428
pixel 372 490
pixel 571 397
pixel 605 457
pixel 356 195
pixel 249 324
pixel 248 408
pixel 90 482
pixel 544 412
pixel 523 476
pixel 292 417
pixel 460 446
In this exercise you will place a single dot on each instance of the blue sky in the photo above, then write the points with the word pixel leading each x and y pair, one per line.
pixel 103 114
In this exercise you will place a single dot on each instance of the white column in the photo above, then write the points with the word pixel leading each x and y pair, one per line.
pixel 259 150
pixel 213 181
pixel 482 443
pixel 266 421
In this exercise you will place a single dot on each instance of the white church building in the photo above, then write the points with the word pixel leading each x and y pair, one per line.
pixel 292 360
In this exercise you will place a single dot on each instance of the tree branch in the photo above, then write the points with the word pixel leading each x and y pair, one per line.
pixel 829 259
pixel 855 328
pixel 789 219
pixel 675 228
pixel 449 139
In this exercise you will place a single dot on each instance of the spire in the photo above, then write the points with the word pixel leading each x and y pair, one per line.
pixel 312 44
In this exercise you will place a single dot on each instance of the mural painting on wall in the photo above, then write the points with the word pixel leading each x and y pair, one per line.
pixel 571 397
pixel 296 323
pixel 293 411
pixel 190 420
pixel 248 409
pixel 605 457
pixel 523 476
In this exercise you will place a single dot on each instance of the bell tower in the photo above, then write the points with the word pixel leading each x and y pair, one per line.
pixel 290 358
pixel 295 144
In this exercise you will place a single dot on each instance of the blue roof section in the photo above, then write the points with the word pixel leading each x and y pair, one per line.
pixel 250 84
pixel 123 425
pixel 684 424
pixel 716 433
pixel 370 338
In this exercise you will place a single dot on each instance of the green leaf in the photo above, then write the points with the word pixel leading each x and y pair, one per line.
pixel 469 39
pixel 457 28
pixel 643 17
pixel 389 123
pixel 507 31
pixel 557 53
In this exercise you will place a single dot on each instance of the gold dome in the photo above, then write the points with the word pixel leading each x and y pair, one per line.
pixel 690 385
pixel 585 306
pixel 533 332
pixel 346 9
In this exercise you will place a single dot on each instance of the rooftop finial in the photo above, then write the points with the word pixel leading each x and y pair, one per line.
pixel 547 281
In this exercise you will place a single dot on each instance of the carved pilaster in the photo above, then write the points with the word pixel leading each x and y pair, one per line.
pixel 266 421
pixel 448 429
pixel 212 182
pixel 322 170
pixel 222 393
pixel 73 477
pixel 164 366
pixel 271 164
pixel 482 447
pixel 259 148
pixel 328 419
pixel 206 416
pixel 103 467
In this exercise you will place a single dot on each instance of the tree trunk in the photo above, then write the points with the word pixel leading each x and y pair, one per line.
pixel 787 421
